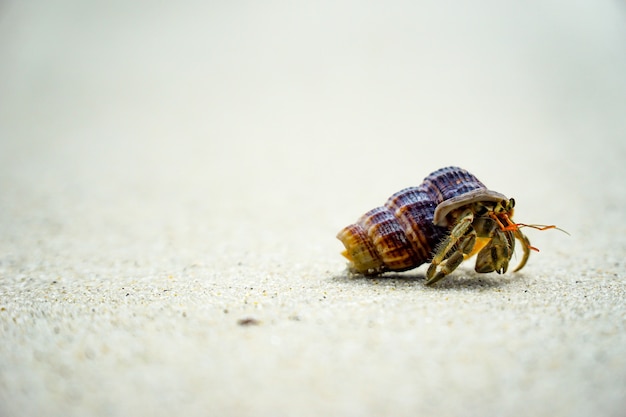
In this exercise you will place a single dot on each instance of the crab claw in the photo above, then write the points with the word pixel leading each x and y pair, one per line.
pixel 495 255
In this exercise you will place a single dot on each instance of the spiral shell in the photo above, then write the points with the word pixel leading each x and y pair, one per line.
pixel 401 235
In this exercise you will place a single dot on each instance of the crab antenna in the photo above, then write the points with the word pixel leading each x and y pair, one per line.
pixel 541 227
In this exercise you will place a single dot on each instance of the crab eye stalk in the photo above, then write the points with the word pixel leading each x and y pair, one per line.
pixel 511 204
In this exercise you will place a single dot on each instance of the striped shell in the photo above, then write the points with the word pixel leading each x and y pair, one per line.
pixel 401 234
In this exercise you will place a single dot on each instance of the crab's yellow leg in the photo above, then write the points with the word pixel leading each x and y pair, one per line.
pixel 480 243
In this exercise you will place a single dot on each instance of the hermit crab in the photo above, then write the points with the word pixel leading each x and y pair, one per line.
pixel 450 217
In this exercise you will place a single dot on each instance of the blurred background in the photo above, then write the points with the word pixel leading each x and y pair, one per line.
pixel 283 121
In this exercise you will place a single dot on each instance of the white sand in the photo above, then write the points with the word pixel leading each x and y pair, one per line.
pixel 168 171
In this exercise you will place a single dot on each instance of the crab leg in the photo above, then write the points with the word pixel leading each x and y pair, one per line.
pixel 525 246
